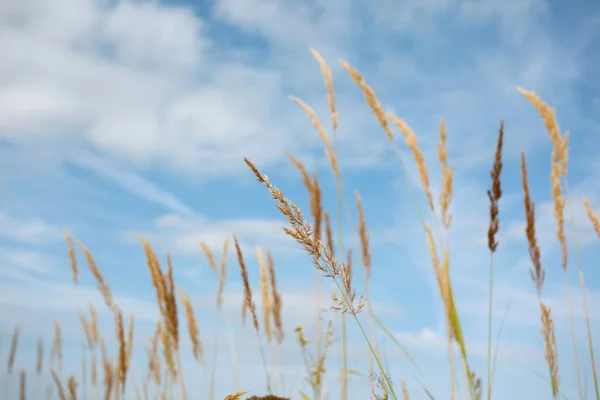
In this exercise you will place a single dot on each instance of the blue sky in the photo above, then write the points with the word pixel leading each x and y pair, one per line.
pixel 121 118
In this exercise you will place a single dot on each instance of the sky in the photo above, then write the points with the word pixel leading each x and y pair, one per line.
pixel 128 118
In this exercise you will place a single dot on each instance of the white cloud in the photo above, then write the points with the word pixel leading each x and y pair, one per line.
pixel 28 230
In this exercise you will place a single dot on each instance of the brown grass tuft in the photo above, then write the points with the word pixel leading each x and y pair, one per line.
pixel 495 192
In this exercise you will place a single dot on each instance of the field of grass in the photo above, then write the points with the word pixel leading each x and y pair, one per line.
pixel 318 231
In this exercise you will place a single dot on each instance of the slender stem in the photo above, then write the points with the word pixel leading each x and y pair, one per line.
pixel 573 338
pixel 490 318
pixel 264 361
pixel 583 292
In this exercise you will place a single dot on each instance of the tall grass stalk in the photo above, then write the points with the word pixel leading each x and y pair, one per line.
pixel 583 291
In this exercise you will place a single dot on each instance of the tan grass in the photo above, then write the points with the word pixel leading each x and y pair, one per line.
pixel 276 300
pixel 22 385
pixel 264 291
pixel 405 390
pixel 72 386
pixel 209 256
pixel 56 350
pixel 411 141
pixel 329 233
pixel 371 98
pixel 551 350
pixel 102 285
pixel 363 234
pixel 537 273
pixel 72 257
pixel 59 386
pixel 548 115
pixel 192 326
pixel 329 85
pixel 249 304
pixel 39 364
pixel 592 216
pixel 329 152
pixel 447 177
pixel 223 273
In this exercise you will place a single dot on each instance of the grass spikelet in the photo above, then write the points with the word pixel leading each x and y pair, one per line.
pixel 22 385
pixel 276 299
pixel 559 204
pixel 371 99
pixel 447 177
pixel 72 386
pixel 537 273
pixel 209 256
pixel 72 257
pixel 494 194
pixel 328 85
pixel 56 350
pixel 223 273
pixel 592 216
pixel 411 142
pixel 329 233
pixel 235 396
pixel 249 304
pixel 548 115
pixel 364 235
pixel 264 291
pixel 108 379
pixel 315 207
pixel 59 386
pixel 192 326
pixel 102 286
pixel 329 152
pixel 121 370
pixel 39 364
pixel 306 180
pixel 405 394
pixel 551 351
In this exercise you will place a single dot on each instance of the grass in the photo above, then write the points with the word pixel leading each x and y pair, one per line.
pixel 108 376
